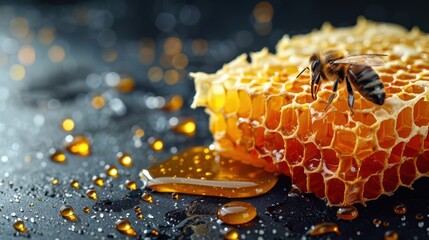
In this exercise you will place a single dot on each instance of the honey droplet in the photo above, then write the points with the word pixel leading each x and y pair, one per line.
pixel 157 145
pixel 68 125
pixel 92 194
pixel 154 232
pixel 86 210
pixel 186 127
pixel 20 226
pixel 98 102
pixel 175 196
pixel 139 215
pixel 139 133
pixel 98 181
pixel 391 235
pixel 173 104
pixel 54 181
pixel 347 213
pixel 112 171
pixel 147 197
pixel 131 185
pixel 323 228
pixel 137 208
pixel 58 157
pixel 419 216
pixel 231 234
pixel 125 159
pixel 124 227
pixel 376 221
pixel 68 213
pixel 386 224
pixel 236 213
pixel 74 184
pixel 203 171
pixel 126 85
pixel 400 209
pixel 79 145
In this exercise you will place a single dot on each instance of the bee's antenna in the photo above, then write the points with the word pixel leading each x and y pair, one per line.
pixel 302 72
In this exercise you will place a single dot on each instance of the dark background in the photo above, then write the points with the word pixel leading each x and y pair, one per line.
pixel 32 109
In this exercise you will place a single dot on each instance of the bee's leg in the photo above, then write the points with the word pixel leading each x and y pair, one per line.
pixel 334 90
pixel 315 83
pixel 351 98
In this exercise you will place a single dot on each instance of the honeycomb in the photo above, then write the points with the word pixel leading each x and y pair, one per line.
pixel 263 115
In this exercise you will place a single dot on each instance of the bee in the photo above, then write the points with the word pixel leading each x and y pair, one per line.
pixel 355 70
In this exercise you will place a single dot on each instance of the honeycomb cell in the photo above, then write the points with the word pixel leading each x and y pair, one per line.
pixel 245 104
pixel 373 164
pixel 344 142
pixel 289 121
pixel 259 134
pixel 216 97
pixel 316 184
pixel 324 134
pixel 335 189
pixel 304 98
pixel 337 118
pixel 391 179
pixel 414 89
pixel 372 187
pixel 396 153
pixel 217 124
pixel 232 102
pixel 258 108
pixel 421 113
pixel 299 178
pixel 305 128
pixel 407 172
pixel 404 122
pixel 385 134
pixel 312 157
pixel 422 163
pixel 294 151
pixel 406 96
pixel 348 169
pixel 365 118
pixel 232 130
pixel 413 147
pixel 246 135
pixel 330 160
pixel 274 143
pixel 273 113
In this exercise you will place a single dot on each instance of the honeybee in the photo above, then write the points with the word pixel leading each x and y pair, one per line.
pixel 355 70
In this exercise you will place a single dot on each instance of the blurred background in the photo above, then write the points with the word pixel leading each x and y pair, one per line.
pixel 117 73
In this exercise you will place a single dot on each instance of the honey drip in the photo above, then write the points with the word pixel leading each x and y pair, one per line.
pixel 19 226
pixel 235 213
pixel 203 171
pixel 131 185
pixel 124 227
pixel 58 157
pixel 112 171
pixel 186 127
pixel 323 228
pixel 137 208
pixel 125 159
pixel 175 196
pixel 347 213
pixel 79 145
pixel 92 194
pixel 67 212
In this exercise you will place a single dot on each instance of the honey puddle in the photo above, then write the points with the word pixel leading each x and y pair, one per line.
pixel 202 171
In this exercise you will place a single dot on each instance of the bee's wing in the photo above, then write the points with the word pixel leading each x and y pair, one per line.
pixel 362 59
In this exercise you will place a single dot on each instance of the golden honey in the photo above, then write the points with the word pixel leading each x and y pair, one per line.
pixel 86 210
pixel 323 228
pixel 75 184
pixel 79 145
pixel 186 127
pixel 347 213
pixel 98 181
pixel 400 209
pixel 20 226
pixel 236 213
pixel 125 159
pixel 67 124
pixel 58 157
pixel 131 185
pixel 124 227
pixel 391 235
pixel 67 212
pixel 147 197
pixel 92 194
pixel 112 171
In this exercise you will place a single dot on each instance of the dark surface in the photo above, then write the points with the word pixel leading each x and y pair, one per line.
pixel 32 109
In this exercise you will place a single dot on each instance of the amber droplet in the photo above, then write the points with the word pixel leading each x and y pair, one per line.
pixel 376 221
pixel 125 159
pixel 173 104
pixel 58 156
pixel 112 171
pixel 400 209
pixel 131 185
pixel 78 145
pixel 137 208
pixel 67 124
pixel 155 232
pixel 419 216
pixel 54 181
pixel 236 213
pixel 202 171
pixel 68 213
pixel 74 184
pixel 156 144
pixel 386 224
pixel 98 102
pixel 86 210
pixel 92 194
pixel 139 215
pixel 175 196
pixel 323 228
pixel 230 234
pixel 124 227
pixel 98 181
pixel 126 85
pixel 347 213
pixel 186 127
pixel 139 133
pixel 391 235
pixel 20 226
pixel 147 197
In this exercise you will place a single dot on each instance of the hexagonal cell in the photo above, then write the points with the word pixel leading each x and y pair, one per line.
pixel 344 142
pixel 312 157
pixel 348 169
pixel 396 153
pixel 324 135
pixel 294 151
pixel 365 148
pixel 391 179
pixel 305 127
pixel 365 118
pixel 246 139
pixel 386 78
pixel 335 190
pixel 245 105
pixel 217 124
pixel 405 76
pixel 413 88
pixel 407 172
pixel 232 100
pixel 422 162
pixel 413 147
pixel 330 160
pixel 299 178
pixel 372 187
pixel 275 144
pixel 373 164
pixel 258 108
pixel 293 87
pixel 421 113
pixel 284 168
pixel 390 90
pixel 404 122
pixel 316 184
pixel 216 97
pixel 289 120
pixel 259 136
pixel 386 134
pixel 272 118
pixel 303 98
pixel 406 96
pixel 232 130
pixel 337 118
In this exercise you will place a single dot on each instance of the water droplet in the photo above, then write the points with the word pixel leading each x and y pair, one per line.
pixel 186 127
pixel 124 227
pixel 236 213
pixel 347 213
pixel 400 209
pixel 68 124
pixel 20 226
pixel 323 228
pixel 75 184
pixel 78 145
pixel 58 156
pixel 92 194
pixel 67 212
pixel 131 185
pixel 98 181
pixel 391 235
pixel 125 159
pixel 112 171
pixel 147 197
pixel 86 210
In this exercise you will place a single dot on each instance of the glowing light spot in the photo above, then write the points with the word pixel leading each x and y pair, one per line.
pixel 98 102
pixel 19 27
pixel 180 61
pixel 263 12
pixel 56 54
pixel 68 124
pixel 172 45
pixel 17 72
pixel 155 74
pixel 171 77
pixel 26 55
pixel 46 35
